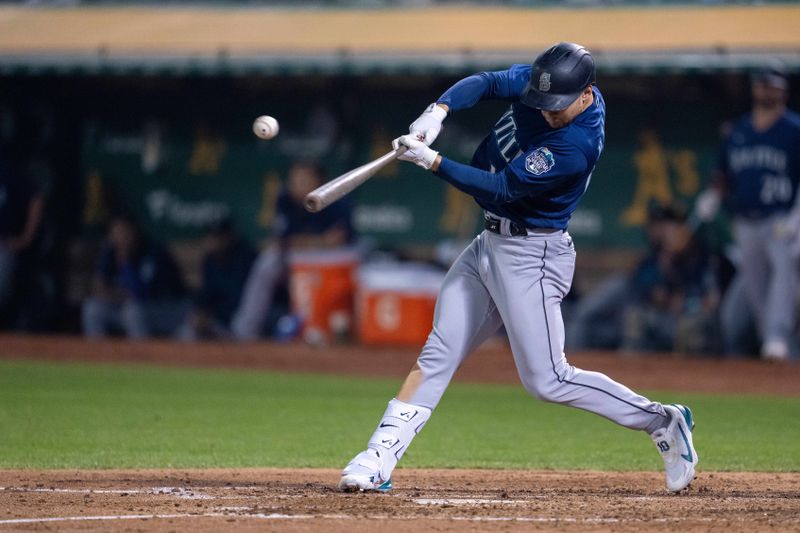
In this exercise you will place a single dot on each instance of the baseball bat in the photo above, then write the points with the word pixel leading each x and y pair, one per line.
pixel 326 194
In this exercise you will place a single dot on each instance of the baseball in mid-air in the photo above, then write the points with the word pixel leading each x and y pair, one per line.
pixel 265 127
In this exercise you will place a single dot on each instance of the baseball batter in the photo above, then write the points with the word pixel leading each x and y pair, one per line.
pixel 528 175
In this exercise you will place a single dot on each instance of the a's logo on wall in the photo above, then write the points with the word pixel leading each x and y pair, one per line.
pixel 544 82
pixel 539 161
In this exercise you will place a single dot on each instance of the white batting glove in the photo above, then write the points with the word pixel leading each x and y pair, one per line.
pixel 427 127
pixel 418 152
pixel 707 205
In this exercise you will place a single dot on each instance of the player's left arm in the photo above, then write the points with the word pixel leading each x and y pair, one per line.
pixel 534 173
pixel 499 85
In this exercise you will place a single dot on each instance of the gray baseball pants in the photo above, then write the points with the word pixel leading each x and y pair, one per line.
pixel 520 282
pixel 768 268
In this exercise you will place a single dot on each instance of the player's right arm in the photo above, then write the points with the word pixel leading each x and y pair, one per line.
pixel 708 202
pixel 500 85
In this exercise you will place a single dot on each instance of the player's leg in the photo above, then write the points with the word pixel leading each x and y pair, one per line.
pixel 780 295
pixel 257 295
pixel 753 267
pixel 464 317
pixel 736 320
pixel 528 278
pixel 134 320
pixel 96 315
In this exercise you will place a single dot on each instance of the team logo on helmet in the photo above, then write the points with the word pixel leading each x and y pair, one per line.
pixel 544 82
pixel 539 161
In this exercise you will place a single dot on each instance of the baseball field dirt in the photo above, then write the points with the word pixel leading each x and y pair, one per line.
pixel 423 500
pixel 426 500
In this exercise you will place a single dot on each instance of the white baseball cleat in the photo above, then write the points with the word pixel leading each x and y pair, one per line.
pixel 363 474
pixel 674 442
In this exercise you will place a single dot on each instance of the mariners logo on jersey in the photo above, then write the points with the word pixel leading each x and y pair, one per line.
pixel 539 161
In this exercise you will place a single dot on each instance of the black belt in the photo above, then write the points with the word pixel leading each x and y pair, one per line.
pixel 516 230
pixel 493 225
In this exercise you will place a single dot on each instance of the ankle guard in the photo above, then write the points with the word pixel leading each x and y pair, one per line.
pixel 398 427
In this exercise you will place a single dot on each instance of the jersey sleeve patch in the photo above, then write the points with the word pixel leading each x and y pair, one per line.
pixel 540 161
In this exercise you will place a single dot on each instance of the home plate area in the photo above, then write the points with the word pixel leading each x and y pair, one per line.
pixel 441 500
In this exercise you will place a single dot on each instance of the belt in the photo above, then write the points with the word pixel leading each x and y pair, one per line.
pixel 495 225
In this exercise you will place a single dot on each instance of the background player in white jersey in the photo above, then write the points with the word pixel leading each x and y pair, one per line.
pixel 528 175
pixel 757 177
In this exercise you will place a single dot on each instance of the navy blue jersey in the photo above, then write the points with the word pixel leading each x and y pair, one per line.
pixel 224 276
pixel 525 170
pixel 761 169
pixel 291 218
pixel 150 274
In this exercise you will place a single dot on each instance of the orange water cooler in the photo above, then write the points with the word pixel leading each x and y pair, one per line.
pixel 322 291
pixel 395 303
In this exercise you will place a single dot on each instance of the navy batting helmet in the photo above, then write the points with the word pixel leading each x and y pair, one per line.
pixel 559 76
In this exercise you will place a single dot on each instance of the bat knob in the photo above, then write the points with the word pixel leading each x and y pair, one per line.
pixel 312 203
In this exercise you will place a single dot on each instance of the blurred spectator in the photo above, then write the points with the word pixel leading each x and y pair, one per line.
pixel 757 176
pixel 668 302
pixel 293 229
pixel 675 291
pixel 226 265
pixel 21 206
pixel 597 316
pixel 137 287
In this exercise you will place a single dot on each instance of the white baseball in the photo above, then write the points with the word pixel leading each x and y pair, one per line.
pixel 265 127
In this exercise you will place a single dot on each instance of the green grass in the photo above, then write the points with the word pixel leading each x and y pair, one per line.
pixel 103 416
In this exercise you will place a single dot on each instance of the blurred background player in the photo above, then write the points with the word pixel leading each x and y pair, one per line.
pixel 756 177
pixel 294 229
pixel 137 287
pixel 668 302
pixel 21 206
pixel 226 265
pixel 674 291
